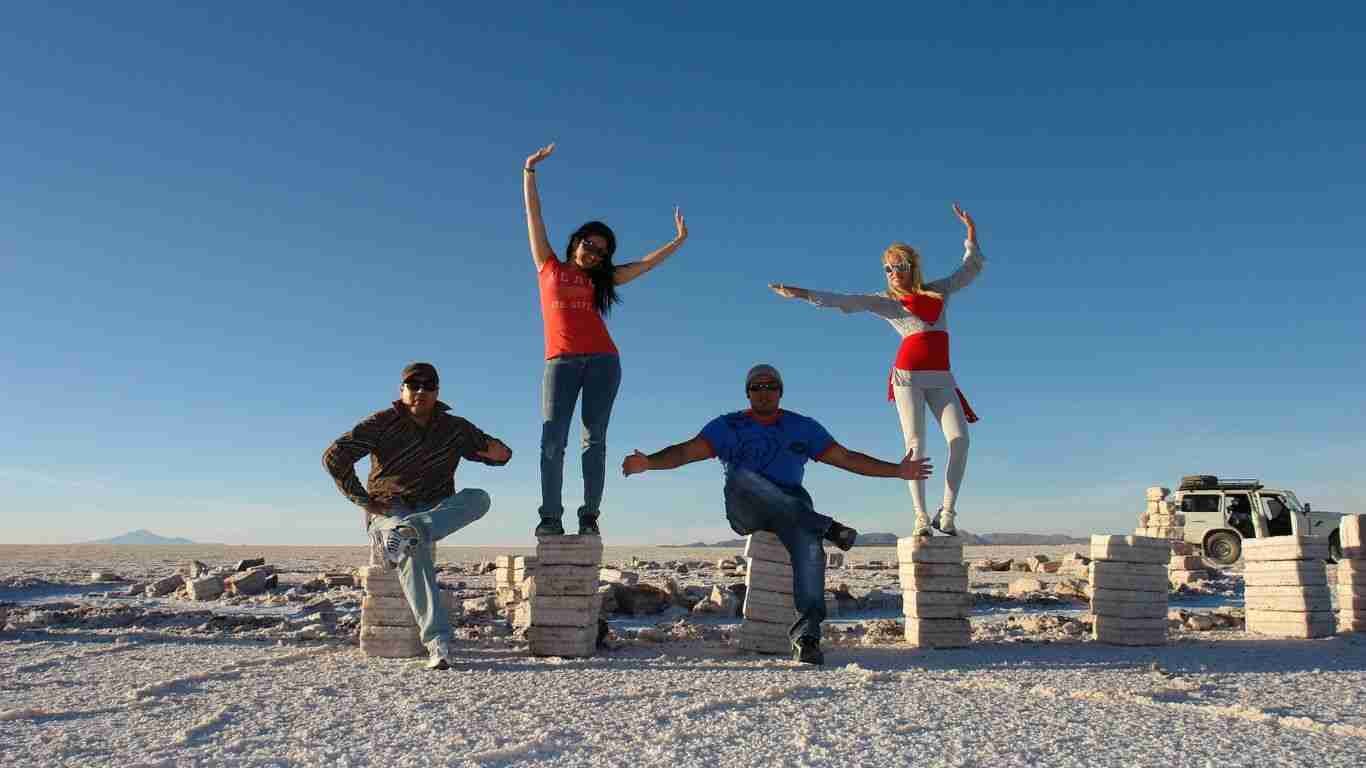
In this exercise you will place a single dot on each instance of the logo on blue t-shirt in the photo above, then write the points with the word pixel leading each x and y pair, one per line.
pixel 778 451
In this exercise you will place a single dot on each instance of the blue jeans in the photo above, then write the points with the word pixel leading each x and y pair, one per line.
pixel 598 376
pixel 755 503
pixel 417 572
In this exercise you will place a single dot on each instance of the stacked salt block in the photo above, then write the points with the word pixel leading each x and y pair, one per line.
pixel 508 574
pixel 934 586
pixel 1160 520
pixel 387 626
pixel 1129 589
pixel 1286 587
pixel 562 605
pixel 1352 575
pixel 769 610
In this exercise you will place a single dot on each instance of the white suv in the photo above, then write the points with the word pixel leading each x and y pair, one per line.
pixel 1219 514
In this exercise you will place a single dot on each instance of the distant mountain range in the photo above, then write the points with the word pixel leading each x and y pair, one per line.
pixel 970 539
pixel 140 537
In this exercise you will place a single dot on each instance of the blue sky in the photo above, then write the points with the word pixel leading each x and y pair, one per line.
pixel 224 230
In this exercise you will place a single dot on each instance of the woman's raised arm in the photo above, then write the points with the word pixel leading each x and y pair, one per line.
pixel 541 252
pixel 625 273
pixel 972 259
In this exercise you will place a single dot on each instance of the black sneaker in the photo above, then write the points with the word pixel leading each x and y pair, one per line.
pixel 550 526
pixel 841 536
pixel 588 526
pixel 807 650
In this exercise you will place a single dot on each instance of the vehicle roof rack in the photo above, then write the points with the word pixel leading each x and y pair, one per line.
pixel 1239 484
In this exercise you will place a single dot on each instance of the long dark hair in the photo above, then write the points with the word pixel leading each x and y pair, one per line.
pixel 602 275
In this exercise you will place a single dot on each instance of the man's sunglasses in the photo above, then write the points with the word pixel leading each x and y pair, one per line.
pixel 419 385
pixel 766 387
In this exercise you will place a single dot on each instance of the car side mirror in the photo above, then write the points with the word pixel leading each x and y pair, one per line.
pixel 1307 508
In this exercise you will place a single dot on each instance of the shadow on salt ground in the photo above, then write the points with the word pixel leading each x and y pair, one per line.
pixel 1343 653
pixel 146 638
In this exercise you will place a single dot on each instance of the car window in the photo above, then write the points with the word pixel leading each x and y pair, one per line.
pixel 1274 506
pixel 1237 504
pixel 1200 502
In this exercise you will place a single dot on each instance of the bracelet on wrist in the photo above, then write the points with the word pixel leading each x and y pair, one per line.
pixel 528 170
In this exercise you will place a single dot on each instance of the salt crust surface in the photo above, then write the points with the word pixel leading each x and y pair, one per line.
pixel 131 699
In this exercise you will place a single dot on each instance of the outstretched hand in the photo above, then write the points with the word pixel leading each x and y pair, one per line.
pixel 967 221
pixel 539 155
pixel 496 452
pixel 680 225
pixel 634 464
pixel 913 469
pixel 787 291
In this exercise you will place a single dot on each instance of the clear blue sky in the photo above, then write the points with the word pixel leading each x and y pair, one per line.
pixel 224 230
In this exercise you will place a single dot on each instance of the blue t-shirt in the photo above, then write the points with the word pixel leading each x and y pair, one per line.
pixel 778 451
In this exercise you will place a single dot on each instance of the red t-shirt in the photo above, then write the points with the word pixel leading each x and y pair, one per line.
pixel 572 325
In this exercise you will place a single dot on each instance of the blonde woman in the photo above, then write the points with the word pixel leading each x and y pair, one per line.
pixel 920 375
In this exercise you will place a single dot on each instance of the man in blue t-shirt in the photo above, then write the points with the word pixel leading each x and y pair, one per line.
pixel 765 450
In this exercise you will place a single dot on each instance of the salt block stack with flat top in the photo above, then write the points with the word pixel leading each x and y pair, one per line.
pixel 934 587
pixel 562 605
pixel 769 610
pixel 508 574
pixel 387 626
pixel 1286 586
pixel 1352 575
pixel 1161 520
pixel 1129 589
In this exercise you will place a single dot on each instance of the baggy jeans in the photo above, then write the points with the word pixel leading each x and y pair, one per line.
pixel 599 377
pixel 755 503
pixel 417 572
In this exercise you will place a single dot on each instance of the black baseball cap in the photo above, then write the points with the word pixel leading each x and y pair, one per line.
pixel 424 371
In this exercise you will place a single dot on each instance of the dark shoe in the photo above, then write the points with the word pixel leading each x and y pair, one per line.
pixel 550 526
pixel 588 526
pixel 807 650
pixel 841 536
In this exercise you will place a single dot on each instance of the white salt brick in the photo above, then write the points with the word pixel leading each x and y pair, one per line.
pixel 762 545
pixel 1281 548
pixel 1130 549
pixel 569 550
pixel 929 549
pixel 938 633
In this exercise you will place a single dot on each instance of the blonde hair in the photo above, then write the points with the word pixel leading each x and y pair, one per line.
pixel 906 254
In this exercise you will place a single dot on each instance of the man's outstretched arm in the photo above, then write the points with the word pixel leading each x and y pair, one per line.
pixel 696 449
pixel 862 464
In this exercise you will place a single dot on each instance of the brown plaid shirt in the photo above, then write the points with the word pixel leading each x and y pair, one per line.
pixel 409 463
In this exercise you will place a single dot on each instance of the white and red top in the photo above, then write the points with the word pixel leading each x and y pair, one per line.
pixel 922 360
pixel 573 326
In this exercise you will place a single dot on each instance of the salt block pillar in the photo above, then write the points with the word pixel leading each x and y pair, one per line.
pixel 769 610
pixel 387 626
pixel 1161 520
pixel 1286 587
pixel 1352 575
pixel 563 607
pixel 934 591
pixel 1129 589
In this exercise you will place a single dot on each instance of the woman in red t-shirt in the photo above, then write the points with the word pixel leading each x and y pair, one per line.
pixel 579 354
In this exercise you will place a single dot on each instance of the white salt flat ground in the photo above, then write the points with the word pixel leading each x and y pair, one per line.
pixel 80 699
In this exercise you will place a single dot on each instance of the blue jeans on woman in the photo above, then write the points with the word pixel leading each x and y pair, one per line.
pixel 417 572
pixel 755 503
pixel 598 376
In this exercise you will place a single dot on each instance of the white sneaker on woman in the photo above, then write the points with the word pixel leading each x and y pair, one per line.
pixel 943 521
pixel 922 525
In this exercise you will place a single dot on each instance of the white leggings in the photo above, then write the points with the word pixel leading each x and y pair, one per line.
pixel 910 406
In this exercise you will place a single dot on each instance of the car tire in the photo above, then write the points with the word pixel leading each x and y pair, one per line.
pixel 1223 547
pixel 1334 547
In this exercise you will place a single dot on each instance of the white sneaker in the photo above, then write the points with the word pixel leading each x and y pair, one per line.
pixel 395 543
pixel 943 521
pixel 922 525
pixel 440 653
